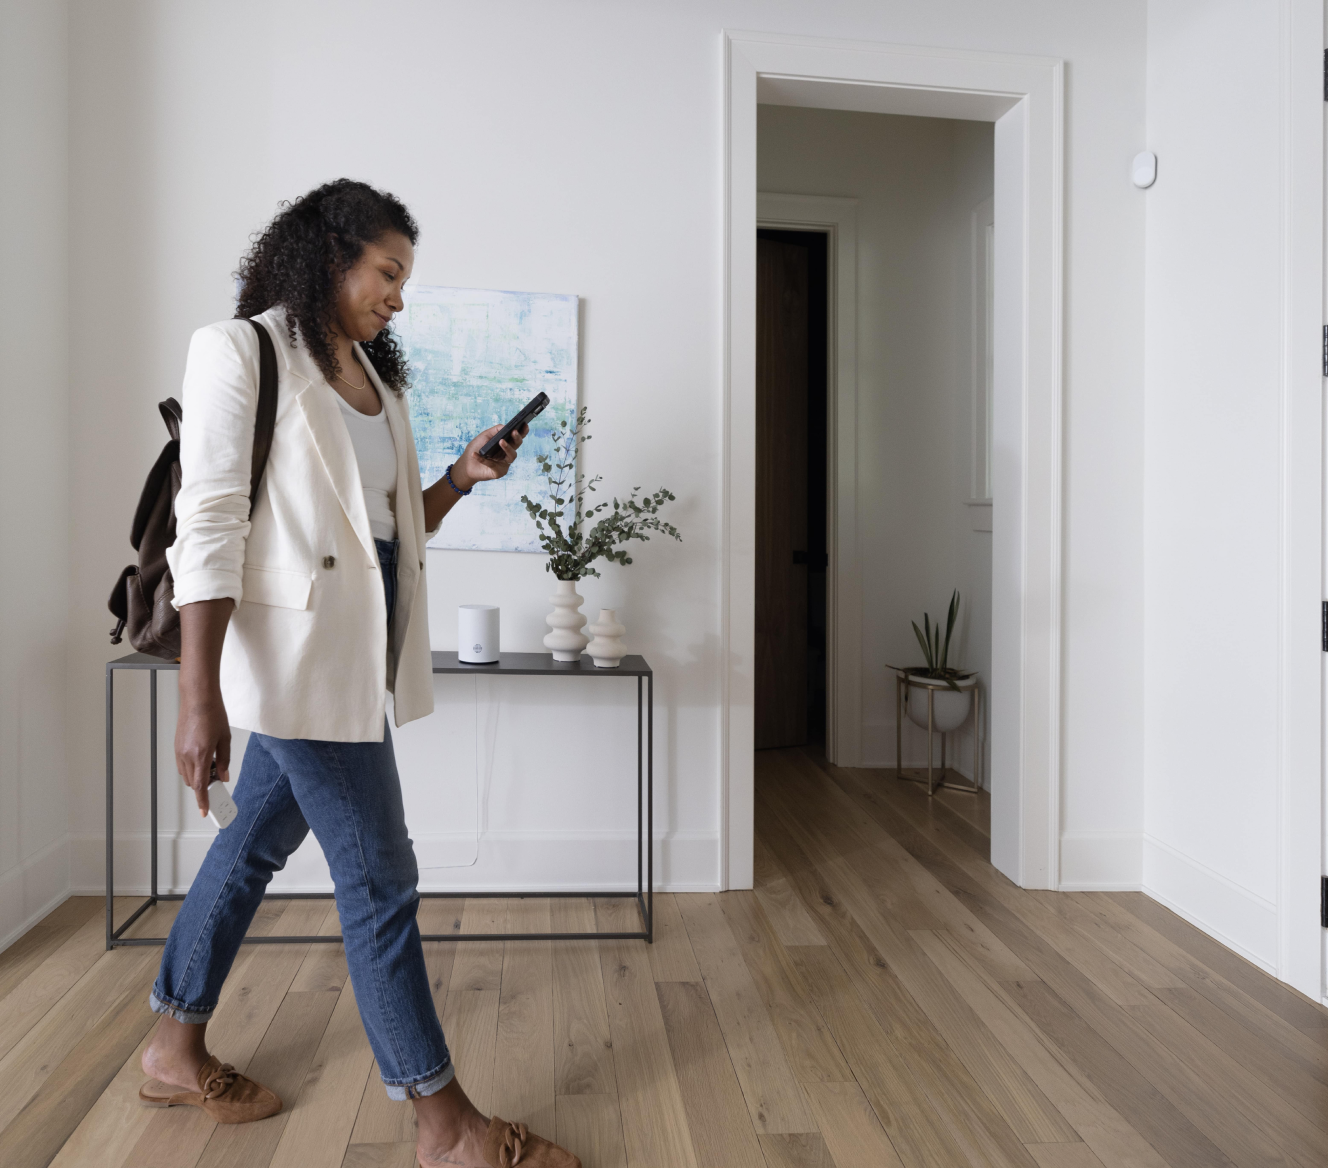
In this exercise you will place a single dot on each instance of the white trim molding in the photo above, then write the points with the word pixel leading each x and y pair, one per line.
pixel 1101 861
pixel 1300 941
pixel 534 861
pixel 1223 909
pixel 32 889
pixel 1024 97
pixel 838 218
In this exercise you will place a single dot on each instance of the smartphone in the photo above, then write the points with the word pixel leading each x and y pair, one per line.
pixel 221 807
pixel 533 408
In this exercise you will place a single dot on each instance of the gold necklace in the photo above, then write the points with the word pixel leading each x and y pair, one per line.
pixel 357 388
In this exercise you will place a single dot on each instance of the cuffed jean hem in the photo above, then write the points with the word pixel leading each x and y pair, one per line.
pixel 192 1017
pixel 418 1090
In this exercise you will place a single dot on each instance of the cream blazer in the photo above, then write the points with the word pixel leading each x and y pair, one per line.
pixel 306 653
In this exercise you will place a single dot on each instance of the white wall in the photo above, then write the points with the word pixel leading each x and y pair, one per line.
pixel 1216 467
pixel 569 147
pixel 34 462
pixel 918 182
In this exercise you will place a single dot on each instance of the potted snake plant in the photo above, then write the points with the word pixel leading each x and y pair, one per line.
pixel 951 688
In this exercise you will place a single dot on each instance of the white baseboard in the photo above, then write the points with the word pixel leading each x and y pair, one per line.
pixel 518 861
pixel 33 888
pixel 1232 915
pixel 1101 861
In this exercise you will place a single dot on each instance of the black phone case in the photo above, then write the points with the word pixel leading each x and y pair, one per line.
pixel 532 409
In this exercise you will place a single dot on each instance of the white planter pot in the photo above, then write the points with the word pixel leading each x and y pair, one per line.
pixel 606 649
pixel 566 640
pixel 949 709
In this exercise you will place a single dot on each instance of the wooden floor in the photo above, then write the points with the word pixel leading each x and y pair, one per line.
pixel 882 998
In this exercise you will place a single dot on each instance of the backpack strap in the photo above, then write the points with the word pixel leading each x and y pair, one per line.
pixel 265 421
pixel 172 414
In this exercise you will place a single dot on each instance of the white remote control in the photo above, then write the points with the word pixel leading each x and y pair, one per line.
pixel 221 807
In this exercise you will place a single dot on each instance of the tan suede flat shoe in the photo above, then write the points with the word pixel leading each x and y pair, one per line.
pixel 223 1093
pixel 510 1145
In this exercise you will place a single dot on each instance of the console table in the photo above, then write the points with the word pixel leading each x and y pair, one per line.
pixel 508 665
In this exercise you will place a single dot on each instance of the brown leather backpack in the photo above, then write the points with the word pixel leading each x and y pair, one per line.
pixel 143 595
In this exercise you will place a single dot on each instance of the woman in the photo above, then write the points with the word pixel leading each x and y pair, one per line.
pixel 296 620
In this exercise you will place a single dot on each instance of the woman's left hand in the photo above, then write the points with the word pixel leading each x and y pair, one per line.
pixel 470 468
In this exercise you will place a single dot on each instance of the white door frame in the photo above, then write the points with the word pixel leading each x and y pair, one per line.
pixel 1023 96
pixel 1301 955
pixel 838 219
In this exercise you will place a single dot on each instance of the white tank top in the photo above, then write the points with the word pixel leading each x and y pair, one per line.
pixel 377 455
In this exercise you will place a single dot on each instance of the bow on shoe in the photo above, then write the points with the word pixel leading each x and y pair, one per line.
pixel 219 1082
pixel 514 1139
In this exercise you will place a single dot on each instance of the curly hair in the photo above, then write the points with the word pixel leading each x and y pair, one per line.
pixel 301 257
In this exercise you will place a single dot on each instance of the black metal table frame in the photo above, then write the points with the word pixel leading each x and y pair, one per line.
pixel 509 665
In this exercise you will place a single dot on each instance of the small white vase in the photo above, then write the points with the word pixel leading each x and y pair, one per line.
pixel 607 649
pixel 566 640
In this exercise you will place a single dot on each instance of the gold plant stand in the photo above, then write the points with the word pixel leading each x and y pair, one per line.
pixel 934 779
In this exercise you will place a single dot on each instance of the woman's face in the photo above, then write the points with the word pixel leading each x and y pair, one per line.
pixel 370 294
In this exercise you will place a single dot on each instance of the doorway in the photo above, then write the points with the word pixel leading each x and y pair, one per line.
pixel 791 464
pixel 1023 96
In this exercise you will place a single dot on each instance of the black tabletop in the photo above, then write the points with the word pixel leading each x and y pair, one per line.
pixel 542 665
pixel 508 664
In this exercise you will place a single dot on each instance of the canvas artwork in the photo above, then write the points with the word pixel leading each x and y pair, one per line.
pixel 476 357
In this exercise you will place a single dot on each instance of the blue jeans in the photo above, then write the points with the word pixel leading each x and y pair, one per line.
pixel 350 795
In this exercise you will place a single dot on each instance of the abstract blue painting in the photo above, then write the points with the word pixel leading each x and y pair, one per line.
pixel 476 357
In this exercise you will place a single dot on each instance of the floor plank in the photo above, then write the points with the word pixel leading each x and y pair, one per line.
pixel 281 1062
pixel 1098 1124
pixel 317 1131
pixel 850 1128
pixel 716 1111
pixel 796 1150
pixel 774 1096
pixel 583 1050
pixel 1064 1156
pixel 792 923
pixel 654 1120
pixel 114 978
pixel 36 1133
pixel 1267 991
pixel 590 1127
pixel 922 1138
pixel 523 1073
pixel 49 981
pixel 39 942
pixel 671 956
pixel 812 1051
pixel 470 1017
pixel 399 1155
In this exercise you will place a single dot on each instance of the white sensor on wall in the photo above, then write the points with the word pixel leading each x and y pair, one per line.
pixel 1143 170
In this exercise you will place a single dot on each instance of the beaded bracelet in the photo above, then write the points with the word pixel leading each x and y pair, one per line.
pixel 447 474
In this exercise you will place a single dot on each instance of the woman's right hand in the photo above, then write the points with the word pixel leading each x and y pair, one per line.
pixel 202 745
pixel 202 732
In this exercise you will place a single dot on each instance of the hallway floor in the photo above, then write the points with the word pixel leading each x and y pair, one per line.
pixel 883 997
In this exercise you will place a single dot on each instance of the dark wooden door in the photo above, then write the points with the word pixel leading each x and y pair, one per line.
pixel 781 494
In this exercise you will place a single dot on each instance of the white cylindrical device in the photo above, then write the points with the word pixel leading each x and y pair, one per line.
pixel 477 633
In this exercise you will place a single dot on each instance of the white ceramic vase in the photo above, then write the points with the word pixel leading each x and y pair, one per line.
pixel 565 639
pixel 606 649
pixel 949 708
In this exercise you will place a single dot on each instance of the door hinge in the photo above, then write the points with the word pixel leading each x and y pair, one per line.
pixel 1323 629
pixel 1325 75
pixel 1323 901
pixel 1325 350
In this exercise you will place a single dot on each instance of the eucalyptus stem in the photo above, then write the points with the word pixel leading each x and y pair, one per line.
pixel 576 535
